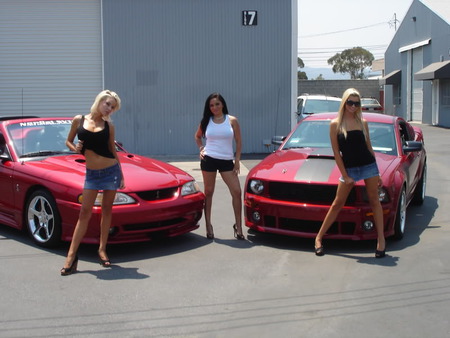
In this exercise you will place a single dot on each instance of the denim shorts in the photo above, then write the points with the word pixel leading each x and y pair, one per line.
pixel 103 179
pixel 363 172
pixel 211 164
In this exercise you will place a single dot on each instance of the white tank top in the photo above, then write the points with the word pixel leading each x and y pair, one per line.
pixel 219 139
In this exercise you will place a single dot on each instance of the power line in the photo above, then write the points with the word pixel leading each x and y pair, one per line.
pixel 341 31
pixel 340 48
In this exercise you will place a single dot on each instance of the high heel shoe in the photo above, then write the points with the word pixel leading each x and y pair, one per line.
pixel 71 269
pixel 319 251
pixel 209 232
pixel 380 253
pixel 104 262
pixel 236 235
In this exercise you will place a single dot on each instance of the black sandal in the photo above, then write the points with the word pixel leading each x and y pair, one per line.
pixel 106 263
pixel 71 269
pixel 380 253
pixel 236 235
pixel 319 251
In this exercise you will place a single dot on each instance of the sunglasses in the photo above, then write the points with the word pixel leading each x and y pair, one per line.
pixel 353 103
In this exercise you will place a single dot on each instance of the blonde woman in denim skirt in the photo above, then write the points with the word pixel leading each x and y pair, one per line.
pixel 103 172
pixel 355 158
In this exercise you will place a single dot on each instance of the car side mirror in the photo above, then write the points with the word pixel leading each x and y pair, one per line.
pixel 278 140
pixel 411 146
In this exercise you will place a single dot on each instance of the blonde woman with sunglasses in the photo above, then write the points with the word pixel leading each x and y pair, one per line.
pixel 355 158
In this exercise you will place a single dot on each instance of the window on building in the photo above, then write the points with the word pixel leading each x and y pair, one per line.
pixel 445 92
pixel 397 94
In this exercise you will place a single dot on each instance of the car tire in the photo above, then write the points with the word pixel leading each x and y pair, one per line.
pixel 400 217
pixel 42 219
pixel 419 193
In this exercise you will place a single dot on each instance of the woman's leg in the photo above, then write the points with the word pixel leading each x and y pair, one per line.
pixel 343 190
pixel 232 181
pixel 82 224
pixel 105 223
pixel 209 182
pixel 372 193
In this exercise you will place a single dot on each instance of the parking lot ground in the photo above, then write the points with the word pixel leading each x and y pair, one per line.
pixel 267 286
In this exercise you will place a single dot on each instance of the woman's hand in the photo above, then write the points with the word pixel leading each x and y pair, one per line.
pixel 237 167
pixel 346 180
pixel 79 147
pixel 202 150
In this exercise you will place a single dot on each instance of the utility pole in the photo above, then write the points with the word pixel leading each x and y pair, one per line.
pixel 393 22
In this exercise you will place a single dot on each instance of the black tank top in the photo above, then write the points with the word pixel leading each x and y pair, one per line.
pixel 98 142
pixel 354 149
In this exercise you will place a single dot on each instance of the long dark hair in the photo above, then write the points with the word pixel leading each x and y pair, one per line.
pixel 207 112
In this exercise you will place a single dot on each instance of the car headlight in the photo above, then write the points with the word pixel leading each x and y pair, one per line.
pixel 256 187
pixel 383 195
pixel 190 188
pixel 119 199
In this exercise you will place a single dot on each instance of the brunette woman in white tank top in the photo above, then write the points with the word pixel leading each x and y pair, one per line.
pixel 219 129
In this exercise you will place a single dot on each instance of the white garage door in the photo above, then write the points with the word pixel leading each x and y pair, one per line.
pixel 50 56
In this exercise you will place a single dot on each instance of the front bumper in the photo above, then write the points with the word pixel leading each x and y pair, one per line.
pixel 139 222
pixel 304 220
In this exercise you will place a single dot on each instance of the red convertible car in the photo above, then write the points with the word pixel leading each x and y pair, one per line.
pixel 41 182
pixel 291 190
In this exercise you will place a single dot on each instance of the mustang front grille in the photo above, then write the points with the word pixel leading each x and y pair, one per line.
pixel 306 193
pixel 160 194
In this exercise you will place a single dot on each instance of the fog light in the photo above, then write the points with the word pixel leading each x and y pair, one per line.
pixel 368 225
pixel 112 231
pixel 256 216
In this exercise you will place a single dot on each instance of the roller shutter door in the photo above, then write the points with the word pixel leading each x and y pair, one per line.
pixel 50 56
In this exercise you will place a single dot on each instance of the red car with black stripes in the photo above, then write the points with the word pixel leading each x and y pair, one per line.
pixel 291 190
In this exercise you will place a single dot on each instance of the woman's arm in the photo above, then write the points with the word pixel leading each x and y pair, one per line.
pixel 238 140
pixel 337 153
pixel 71 136
pixel 198 140
pixel 366 132
pixel 369 146
pixel 112 148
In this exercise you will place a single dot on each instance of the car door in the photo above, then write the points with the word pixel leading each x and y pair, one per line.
pixel 6 184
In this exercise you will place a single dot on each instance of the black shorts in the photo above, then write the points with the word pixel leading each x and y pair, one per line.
pixel 213 164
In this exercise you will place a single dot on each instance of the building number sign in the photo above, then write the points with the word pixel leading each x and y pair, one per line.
pixel 249 18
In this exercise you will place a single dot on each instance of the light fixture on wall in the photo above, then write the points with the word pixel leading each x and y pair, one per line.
pixel 414 19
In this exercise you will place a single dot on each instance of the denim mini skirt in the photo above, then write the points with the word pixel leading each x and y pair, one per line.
pixel 363 172
pixel 103 179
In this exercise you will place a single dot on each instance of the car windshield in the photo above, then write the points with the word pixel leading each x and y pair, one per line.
pixel 313 106
pixel 40 138
pixel 316 134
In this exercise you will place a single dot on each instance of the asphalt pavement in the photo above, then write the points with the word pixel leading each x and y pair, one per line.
pixel 267 286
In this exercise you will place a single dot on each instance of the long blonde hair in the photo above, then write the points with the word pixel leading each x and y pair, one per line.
pixel 341 127
pixel 103 95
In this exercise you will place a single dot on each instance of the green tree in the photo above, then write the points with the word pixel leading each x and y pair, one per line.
pixel 301 75
pixel 352 61
pixel 320 77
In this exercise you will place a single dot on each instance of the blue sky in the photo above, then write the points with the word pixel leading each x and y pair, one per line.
pixel 327 27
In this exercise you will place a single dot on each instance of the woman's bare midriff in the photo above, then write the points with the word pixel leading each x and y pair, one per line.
pixel 96 162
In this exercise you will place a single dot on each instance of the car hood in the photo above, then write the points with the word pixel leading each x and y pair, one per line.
pixel 140 172
pixel 307 165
